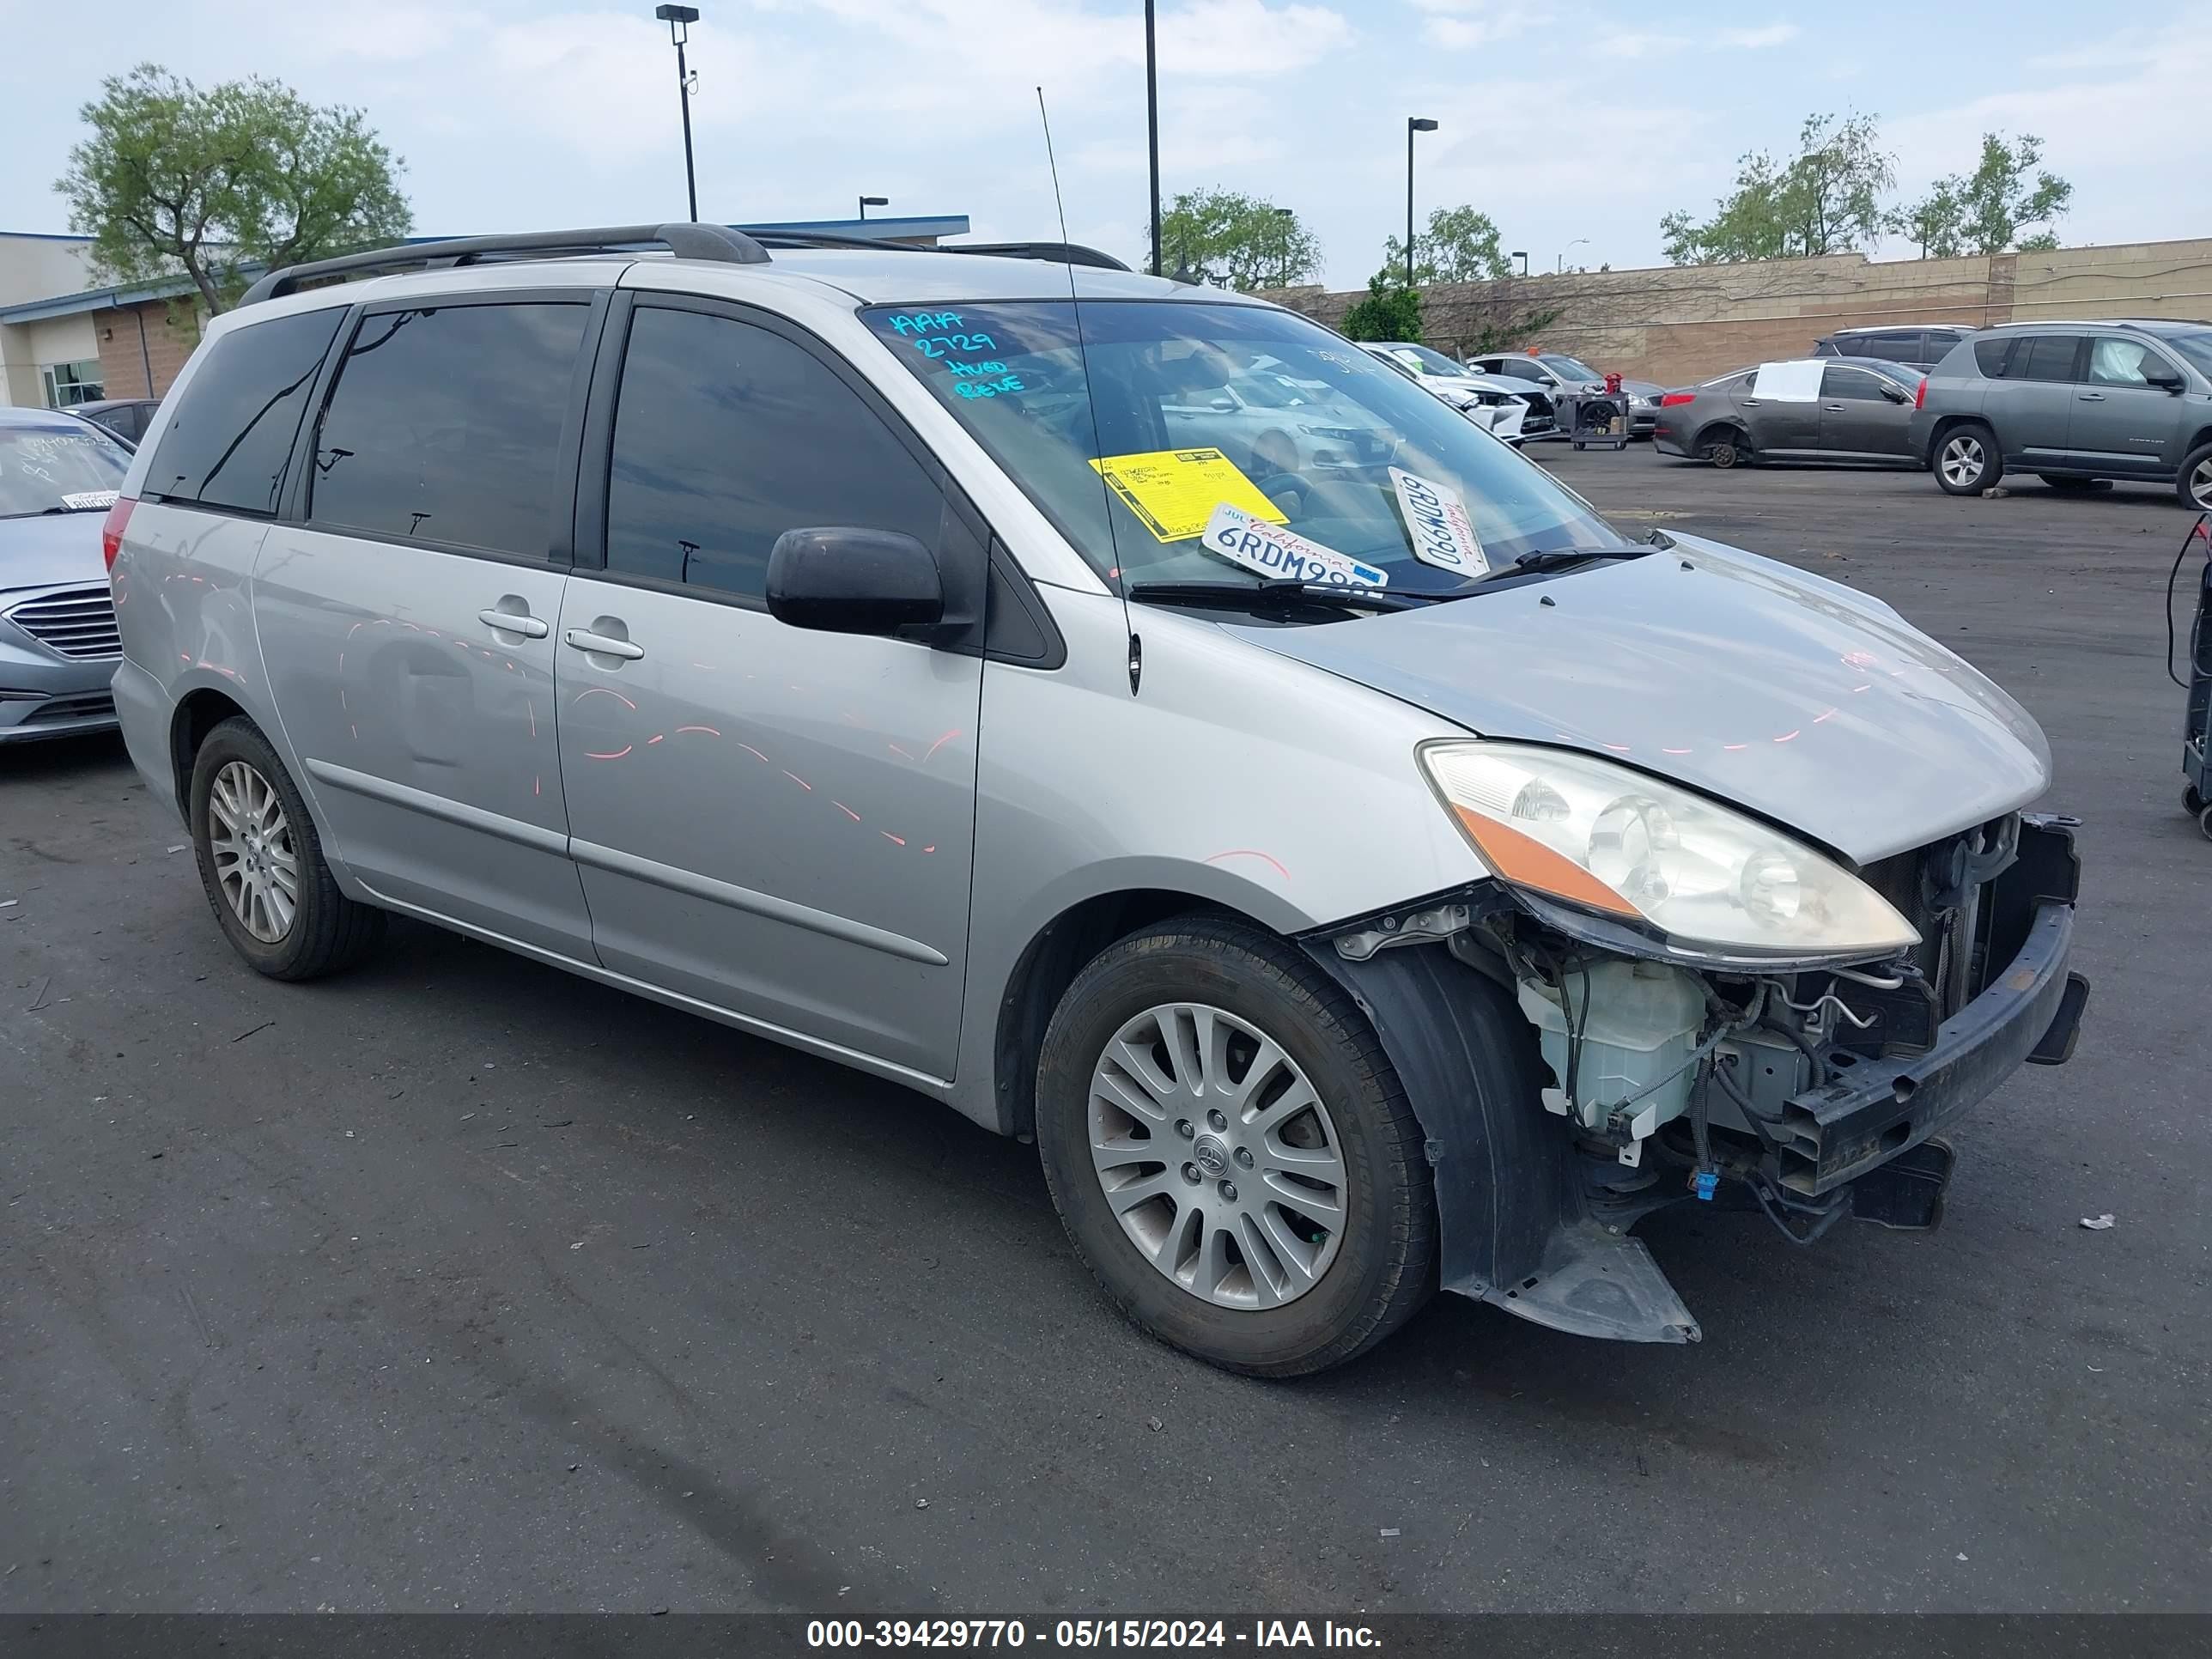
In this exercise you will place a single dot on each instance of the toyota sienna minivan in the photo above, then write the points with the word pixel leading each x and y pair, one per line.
pixel 1359 878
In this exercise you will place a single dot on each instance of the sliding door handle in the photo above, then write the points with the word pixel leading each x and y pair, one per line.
pixel 601 644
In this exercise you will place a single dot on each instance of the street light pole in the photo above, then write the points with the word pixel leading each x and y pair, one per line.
pixel 679 19
pixel 867 202
pixel 1285 218
pixel 1153 123
pixel 1413 123
pixel 1559 265
pixel 1522 256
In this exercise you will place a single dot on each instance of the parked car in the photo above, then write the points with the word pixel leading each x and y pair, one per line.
pixel 1558 374
pixel 1488 401
pixel 126 417
pixel 1268 423
pixel 1355 889
pixel 1917 346
pixel 1845 410
pixel 58 476
pixel 2073 402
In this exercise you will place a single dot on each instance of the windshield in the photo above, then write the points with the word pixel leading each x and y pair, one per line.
pixel 2197 348
pixel 1425 358
pixel 76 468
pixel 1122 441
pixel 1571 368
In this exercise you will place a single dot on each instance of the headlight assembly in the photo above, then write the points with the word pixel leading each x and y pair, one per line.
pixel 1622 845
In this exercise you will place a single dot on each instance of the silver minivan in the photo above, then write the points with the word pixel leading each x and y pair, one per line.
pixel 1359 879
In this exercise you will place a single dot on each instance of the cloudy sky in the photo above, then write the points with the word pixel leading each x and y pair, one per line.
pixel 1574 123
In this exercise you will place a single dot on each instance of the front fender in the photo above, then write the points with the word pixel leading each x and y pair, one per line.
pixel 1513 1224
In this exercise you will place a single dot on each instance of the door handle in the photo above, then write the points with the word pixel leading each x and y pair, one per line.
pixel 1752 403
pixel 1834 409
pixel 515 622
pixel 2092 396
pixel 601 644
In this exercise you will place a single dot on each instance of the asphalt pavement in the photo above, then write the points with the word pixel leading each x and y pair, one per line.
pixel 457 1282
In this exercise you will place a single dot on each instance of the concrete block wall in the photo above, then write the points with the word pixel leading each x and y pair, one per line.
pixel 1677 324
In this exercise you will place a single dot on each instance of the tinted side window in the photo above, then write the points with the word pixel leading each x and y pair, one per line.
pixel 726 436
pixel 229 440
pixel 1896 348
pixel 2044 357
pixel 1989 355
pixel 445 426
pixel 1855 384
pixel 2116 361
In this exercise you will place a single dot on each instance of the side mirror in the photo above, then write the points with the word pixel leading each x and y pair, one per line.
pixel 1225 405
pixel 2163 377
pixel 839 578
pixel 1894 393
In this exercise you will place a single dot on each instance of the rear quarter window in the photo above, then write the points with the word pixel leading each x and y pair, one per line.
pixel 228 442
pixel 1989 357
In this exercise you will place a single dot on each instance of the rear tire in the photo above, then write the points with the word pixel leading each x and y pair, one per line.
pixel 262 864
pixel 2193 484
pixel 1966 461
pixel 1727 448
pixel 1282 1278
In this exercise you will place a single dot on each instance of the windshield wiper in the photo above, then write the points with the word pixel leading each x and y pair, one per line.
pixel 1273 594
pixel 1553 558
pixel 44 511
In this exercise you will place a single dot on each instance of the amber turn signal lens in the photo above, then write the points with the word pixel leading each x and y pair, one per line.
pixel 1526 862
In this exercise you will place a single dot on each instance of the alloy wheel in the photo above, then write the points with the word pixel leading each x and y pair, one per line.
pixel 1962 460
pixel 1217 1156
pixel 256 866
pixel 2200 484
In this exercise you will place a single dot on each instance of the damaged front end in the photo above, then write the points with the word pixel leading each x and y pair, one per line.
pixel 1573 1073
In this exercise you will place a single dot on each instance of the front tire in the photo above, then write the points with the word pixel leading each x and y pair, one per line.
pixel 262 864
pixel 1231 1152
pixel 2193 484
pixel 1966 461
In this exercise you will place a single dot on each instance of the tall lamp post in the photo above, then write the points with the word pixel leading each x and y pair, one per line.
pixel 1521 254
pixel 1152 125
pixel 1559 265
pixel 867 202
pixel 679 19
pixel 1413 123
pixel 1284 219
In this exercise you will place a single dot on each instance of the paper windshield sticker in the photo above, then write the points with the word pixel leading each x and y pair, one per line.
pixel 1788 383
pixel 1175 491
pixel 90 498
pixel 1270 550
pixel 1436 520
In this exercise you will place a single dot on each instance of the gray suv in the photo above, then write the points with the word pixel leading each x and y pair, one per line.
pixel 2073 402
pixel 1358 879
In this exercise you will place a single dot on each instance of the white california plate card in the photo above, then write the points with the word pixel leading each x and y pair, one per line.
pixel 1788 383
pixel 1268 550
pixel 1436 519
pixel 89 498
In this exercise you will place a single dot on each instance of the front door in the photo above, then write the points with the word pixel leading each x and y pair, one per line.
pixel 408 626
pixel 1783 408
pixel 2121 422
pixel 2029 407
pixel 1863 417
pixel 772 821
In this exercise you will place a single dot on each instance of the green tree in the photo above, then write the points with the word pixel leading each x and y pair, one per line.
pixel 1460 246
pixel 1825 199
pixel 1389 311
pixel 175 179
pixel 1243 242
pixel 1985 211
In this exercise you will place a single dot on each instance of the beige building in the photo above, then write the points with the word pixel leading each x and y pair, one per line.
pixel 46 361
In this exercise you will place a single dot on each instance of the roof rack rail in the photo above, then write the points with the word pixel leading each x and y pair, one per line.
pixel 1057 253
pixel 685 242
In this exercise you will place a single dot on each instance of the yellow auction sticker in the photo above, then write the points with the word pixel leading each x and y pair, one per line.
pixel 1175 491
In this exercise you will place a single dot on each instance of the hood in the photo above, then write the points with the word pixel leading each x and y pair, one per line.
pixel 51 549
pixel 1813 705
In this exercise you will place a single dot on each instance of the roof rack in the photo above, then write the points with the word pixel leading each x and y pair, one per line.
pixel 686 241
